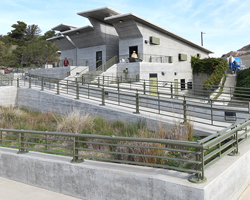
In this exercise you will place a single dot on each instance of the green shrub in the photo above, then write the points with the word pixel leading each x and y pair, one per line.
pixel 215 67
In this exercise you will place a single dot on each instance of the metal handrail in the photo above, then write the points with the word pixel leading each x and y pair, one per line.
pixel 153 152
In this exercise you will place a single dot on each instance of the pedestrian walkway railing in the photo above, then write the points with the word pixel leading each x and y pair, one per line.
pixel 5 80
pixel 184 156
pixel 137 97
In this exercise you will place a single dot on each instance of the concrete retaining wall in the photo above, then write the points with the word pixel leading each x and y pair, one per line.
pixel 58 72
pixel 226 179
pixel 8 95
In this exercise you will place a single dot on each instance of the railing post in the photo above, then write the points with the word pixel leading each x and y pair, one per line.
pixel 11 81
pixel 67 86
pixel 236 145
pixel 17 82
pixel 46 142
pixel 212 118
pixel 98 81
pixel 88 90
pixel 137 103
pixel 103 80
pixel 103 97
pixel 21 144
pixel 144 87
pixel 42 84
pixel 199 177
pixel 184 110
pixel 77 91
pixel 1 137
pixel 29 81
pixel 159 105
pixel 57 87
pixel 171 90
pixel 75 151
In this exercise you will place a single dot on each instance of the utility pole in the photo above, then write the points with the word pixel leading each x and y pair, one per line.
pixel 202 38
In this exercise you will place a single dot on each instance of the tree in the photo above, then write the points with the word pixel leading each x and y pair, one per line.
pixel 16 36
pixel 32 31
pixel 38 52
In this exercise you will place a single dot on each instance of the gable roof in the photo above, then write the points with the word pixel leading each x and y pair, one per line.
pixel 63 27
pixel 100 13
pixel 131 16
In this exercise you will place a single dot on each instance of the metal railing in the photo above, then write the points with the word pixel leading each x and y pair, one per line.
pixel 184 156
pixel 147 58
pixel 104 67
pixel 139 97
pixel 5 80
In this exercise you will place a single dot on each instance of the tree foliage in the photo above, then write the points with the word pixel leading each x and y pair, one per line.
pixel 32 31
pixel 38 52
pixel 16 36
pixel 25 42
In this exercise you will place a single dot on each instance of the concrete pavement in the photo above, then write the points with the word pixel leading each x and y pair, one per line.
pixel 12 190
pixel 245 195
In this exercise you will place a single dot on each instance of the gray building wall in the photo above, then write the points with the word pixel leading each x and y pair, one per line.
pixel 102 38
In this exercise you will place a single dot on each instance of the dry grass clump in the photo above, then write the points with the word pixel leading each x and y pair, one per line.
pixel 74 122
pixel 9 115
pixel 179 132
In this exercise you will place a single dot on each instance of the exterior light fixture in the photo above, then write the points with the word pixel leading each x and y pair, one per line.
pixel 120 21
pixel 175 73
pixel 57 39
pixel 77 32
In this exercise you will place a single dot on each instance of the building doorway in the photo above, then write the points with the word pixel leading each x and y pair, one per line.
pixel 98 59
pixel 131 49
pixel 153 84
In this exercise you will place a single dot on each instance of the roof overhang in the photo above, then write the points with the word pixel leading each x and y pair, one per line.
pixel 64 27
pixel 100 13
pixel 131 16
pixel 55 38
pixel 78 30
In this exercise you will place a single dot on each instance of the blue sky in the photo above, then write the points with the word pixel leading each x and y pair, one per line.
pixel 226 23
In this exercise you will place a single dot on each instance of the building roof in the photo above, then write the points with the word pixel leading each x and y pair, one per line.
pixel 63 27
pixel 100 13
pixel 79 30
pixel 131 16
pixel 55 38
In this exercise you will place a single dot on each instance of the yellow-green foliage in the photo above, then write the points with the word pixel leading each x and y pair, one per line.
pixel 215 67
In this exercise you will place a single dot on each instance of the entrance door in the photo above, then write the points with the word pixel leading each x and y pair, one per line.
pixel 131 49
pixel 98 59
pixel 153 84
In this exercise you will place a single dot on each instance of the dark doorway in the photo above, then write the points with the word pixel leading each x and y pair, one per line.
pixel 98 58
pixel 131 49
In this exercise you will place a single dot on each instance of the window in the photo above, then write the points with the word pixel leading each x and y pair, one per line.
pixel 154 40
pixel 189 85
pixel 182 57
pixel 183 84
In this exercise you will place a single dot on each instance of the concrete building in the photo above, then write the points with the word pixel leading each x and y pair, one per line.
pixel 162 55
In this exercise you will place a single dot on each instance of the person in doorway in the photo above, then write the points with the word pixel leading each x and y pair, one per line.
pixel 134 55
pixel 65 62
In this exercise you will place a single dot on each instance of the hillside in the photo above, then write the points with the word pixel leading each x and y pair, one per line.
pixel 243 53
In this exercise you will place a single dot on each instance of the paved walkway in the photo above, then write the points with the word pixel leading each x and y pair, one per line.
pixel 245 195
pixel 12 190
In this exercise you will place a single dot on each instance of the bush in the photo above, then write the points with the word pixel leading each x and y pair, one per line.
pixel 215 67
